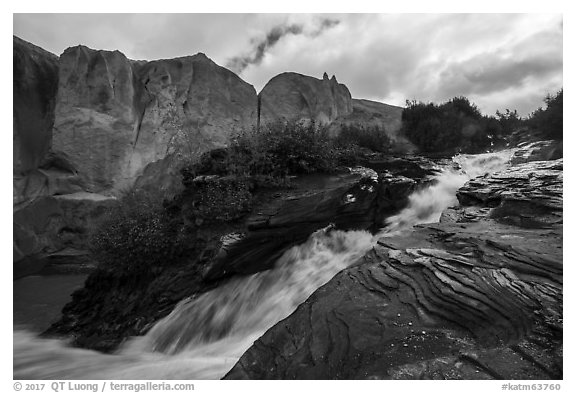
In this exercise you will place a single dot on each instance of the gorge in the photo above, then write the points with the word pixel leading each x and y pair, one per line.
pixel 406 267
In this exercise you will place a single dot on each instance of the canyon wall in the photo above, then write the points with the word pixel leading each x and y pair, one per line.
pixel 91 124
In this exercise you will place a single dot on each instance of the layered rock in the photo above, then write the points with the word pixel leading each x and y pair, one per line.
pixel 345 202
pixel 471 297
pixel 537 151
pixel 299 97
pixel 115 116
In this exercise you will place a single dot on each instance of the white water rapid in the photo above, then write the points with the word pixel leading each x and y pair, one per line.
pixel 203 337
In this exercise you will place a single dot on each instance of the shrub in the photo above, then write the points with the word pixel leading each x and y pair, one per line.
pixel 550 121
pixel 456 125
pixel 269 155
pixel 137 236
pixel 218 200
pixel 373 138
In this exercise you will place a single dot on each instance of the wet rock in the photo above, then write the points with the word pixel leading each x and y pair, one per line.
pixel 472 297
pixel 528 194
pixel 537 151
pixel 413 167
pixel 345 201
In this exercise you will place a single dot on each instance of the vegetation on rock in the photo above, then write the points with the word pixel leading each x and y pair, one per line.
pixel 144 233
pixel 137 236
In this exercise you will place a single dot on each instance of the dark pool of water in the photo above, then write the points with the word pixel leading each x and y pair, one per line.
pixel 38 299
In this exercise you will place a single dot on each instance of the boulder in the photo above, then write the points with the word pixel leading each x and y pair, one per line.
pixel 298 97
pixel 471 297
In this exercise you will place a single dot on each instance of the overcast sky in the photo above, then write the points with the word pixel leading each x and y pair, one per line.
pixel 497 60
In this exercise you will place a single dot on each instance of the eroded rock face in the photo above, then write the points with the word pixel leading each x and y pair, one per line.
pixel 472 297
pixel 298 97
pixel 35 83
pixel 52 225
pixel 115 116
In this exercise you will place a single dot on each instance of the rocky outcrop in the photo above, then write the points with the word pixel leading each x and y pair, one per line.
pixel 54 227
pixel 298 97
pixel 95 121
pixel 115 116
pixel 476 296
pixel 35 83
pixel 112 307
pixel 527 195
pixel 345 202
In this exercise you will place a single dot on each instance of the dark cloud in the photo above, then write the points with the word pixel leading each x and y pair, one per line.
pixel 261 46
pixel 490 74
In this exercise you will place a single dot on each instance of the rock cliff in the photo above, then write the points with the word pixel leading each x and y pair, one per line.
pixel 115 116
pixel 35 83
pixel 294 96
pixel 93 123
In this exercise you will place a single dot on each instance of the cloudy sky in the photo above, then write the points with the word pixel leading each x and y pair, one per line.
pixel 497 60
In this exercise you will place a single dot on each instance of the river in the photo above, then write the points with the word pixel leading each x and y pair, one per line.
pixel 204 337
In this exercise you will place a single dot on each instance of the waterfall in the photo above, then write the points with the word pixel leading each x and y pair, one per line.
pixel 204 336
pixel 426 205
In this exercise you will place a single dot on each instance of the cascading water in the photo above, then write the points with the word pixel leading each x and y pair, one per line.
pixel 203 337
pixel 427 205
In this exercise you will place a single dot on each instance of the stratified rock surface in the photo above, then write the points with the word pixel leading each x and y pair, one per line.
pixel 298 97
pixel 115 116
pixel 537 151
pixel 476 296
